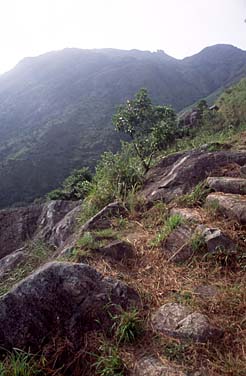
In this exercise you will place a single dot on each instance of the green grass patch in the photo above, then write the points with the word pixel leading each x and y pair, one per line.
pixel 128 326
pixel 197 242
pixel 96 239
pixel 176 352
pixel 19 363
pixel 109 362
pixel 107 233
pixel 183 297
pixel 171 224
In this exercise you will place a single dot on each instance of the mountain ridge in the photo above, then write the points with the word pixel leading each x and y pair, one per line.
pixel 56 109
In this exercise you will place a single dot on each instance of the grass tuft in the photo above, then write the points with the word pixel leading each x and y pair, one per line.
pixel 20 363
pixel 171 224
pixel 129 326
pixel 196 197
pixel 109 363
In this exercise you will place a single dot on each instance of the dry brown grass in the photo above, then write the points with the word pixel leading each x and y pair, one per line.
pixel 158 282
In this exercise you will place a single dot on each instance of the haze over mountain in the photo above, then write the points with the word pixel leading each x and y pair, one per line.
pixel 56 109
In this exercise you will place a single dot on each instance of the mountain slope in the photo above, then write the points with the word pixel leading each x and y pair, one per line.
pixel 56 109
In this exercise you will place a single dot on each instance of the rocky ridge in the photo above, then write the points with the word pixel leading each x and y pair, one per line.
pixel 202 232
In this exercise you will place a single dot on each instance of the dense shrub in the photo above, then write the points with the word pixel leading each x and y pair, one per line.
pixel 75 187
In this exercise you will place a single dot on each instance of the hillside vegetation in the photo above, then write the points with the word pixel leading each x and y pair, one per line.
pixel 171 236
pixel 56 109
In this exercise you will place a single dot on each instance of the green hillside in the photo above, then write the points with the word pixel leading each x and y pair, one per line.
pixel 56 109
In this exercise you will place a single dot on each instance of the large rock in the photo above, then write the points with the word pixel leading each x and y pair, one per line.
pixel 230 206
pixel 60 298
pixel 35 221
pixel 179 173
pixel 227 185
pixel 179 321
pixel 17 226
pixel 151 366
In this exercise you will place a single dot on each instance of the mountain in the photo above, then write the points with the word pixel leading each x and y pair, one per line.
pixel 56 109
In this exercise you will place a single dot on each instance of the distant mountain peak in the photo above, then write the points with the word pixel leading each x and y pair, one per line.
pixel 56 108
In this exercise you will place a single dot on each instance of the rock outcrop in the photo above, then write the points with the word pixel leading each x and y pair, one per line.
pixel 179 173
pixel 17 226
pixel 47 222
pixel 60 298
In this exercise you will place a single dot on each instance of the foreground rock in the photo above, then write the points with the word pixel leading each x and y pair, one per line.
pixel 230 206
pixel 227 185
pixel 61 298
pixel 179 173
pixel 151 366
pixel 179 321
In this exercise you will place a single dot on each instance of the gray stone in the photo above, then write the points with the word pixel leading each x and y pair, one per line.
pixel 197 327
pixel 167 317
pixel 229 205
pixel 177 245
pixel 227 184
pixel 118 250
pixel 179 173
pixel 176 320
pixel 64 299
pixel 151 366
pixel 10 262
pixel 216 240
pixel 63 233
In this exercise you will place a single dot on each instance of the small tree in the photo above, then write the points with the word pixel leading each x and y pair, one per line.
pixel 149 127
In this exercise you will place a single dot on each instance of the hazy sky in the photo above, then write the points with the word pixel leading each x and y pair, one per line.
pixel 179 27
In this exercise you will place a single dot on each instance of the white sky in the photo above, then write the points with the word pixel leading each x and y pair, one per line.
pixel 179 27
